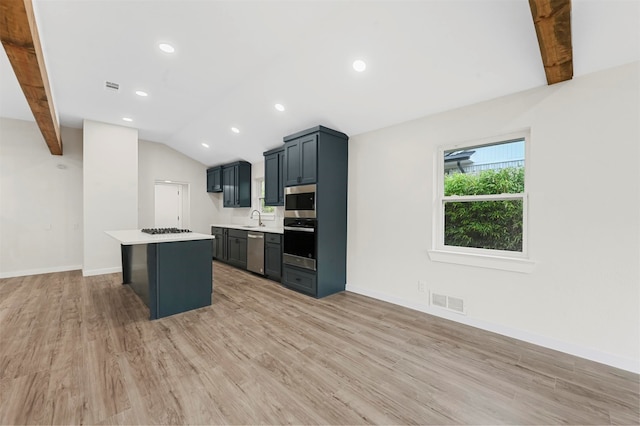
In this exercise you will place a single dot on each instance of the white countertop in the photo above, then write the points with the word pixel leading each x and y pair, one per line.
pixel 135 236
pixel 254 228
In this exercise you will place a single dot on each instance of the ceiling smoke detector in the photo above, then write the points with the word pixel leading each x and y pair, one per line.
pixel 111 86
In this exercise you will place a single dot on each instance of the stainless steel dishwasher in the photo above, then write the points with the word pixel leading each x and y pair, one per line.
pixel 255 252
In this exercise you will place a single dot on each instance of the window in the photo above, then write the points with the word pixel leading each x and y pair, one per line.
pixel 481 205
pixel 263 209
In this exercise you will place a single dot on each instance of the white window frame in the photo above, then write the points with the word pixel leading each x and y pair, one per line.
pixel 267 216
pixel 487 258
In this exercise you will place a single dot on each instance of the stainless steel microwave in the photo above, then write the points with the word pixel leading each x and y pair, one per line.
pixel 300 201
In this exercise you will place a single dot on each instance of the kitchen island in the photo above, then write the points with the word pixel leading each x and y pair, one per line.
pixel 171 273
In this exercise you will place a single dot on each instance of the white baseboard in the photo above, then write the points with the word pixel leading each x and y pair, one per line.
pixel 39 271
pixel 102 271
pixel 547 342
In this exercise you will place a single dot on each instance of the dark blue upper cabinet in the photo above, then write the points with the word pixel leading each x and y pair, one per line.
pixel 236 184
pixel 301 156
pixel 234 181
pixel 273 177
pixel 281 163
pixel 229 186
pixel 308 159
pixel 292 164
pixel 214 179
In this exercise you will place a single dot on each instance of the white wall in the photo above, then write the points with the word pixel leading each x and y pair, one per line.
pixel 158 162
pixel 40 201
pixel 110 192
pixel 583 296
pixel 44 233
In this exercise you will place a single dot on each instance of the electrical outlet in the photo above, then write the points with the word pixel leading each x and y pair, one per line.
pixel 422 286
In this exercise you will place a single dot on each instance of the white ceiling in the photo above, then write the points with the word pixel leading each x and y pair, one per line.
pixel 235 59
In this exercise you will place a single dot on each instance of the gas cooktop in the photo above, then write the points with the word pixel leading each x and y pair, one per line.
pixel 164 231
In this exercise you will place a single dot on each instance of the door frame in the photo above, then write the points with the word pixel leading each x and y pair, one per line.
pixel 185 197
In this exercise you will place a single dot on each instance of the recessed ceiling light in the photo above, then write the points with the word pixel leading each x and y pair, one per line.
pixel 141 93
pixel 127 119
pixel 167 48
pixel 279 107
pixel 205 145
pixel 235 130
pixel 359 65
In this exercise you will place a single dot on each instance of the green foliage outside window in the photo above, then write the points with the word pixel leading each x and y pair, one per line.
pixel 509 180
pixel 489 224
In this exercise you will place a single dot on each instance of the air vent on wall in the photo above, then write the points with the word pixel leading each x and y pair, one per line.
pixel 455 304
pixel 439 300
pixel 447 302
pixel 111 86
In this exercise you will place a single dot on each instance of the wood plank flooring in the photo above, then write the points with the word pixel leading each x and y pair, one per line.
pixel 77 350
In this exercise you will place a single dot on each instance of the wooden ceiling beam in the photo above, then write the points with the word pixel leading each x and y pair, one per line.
pixel 19 36
pixel 552 19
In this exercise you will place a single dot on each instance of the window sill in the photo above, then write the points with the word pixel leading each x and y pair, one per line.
pixel 524 266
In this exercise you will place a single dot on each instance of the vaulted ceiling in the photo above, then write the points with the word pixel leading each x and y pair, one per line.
pixel 234 60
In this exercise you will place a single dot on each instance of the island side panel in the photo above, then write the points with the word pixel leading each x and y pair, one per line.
pixel 152 274
pixel 125 252
pixel 139 278
pixel 135 273
pixel 184 276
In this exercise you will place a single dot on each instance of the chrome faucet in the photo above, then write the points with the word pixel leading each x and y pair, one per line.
pixel 259 217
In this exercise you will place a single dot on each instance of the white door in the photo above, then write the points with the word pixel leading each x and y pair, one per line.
pixel 168 205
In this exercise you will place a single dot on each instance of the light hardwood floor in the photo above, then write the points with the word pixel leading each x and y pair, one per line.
pixel 81 350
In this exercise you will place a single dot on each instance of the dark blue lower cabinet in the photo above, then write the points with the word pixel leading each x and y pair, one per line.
pixel 273 257
pixel 237 248
pixel 171 277
pixel 303 280
pixel 218 243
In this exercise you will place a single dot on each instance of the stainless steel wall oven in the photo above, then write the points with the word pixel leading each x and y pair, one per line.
pixel 300 242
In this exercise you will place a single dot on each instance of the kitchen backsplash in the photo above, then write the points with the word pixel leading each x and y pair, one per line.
pixel 240 216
